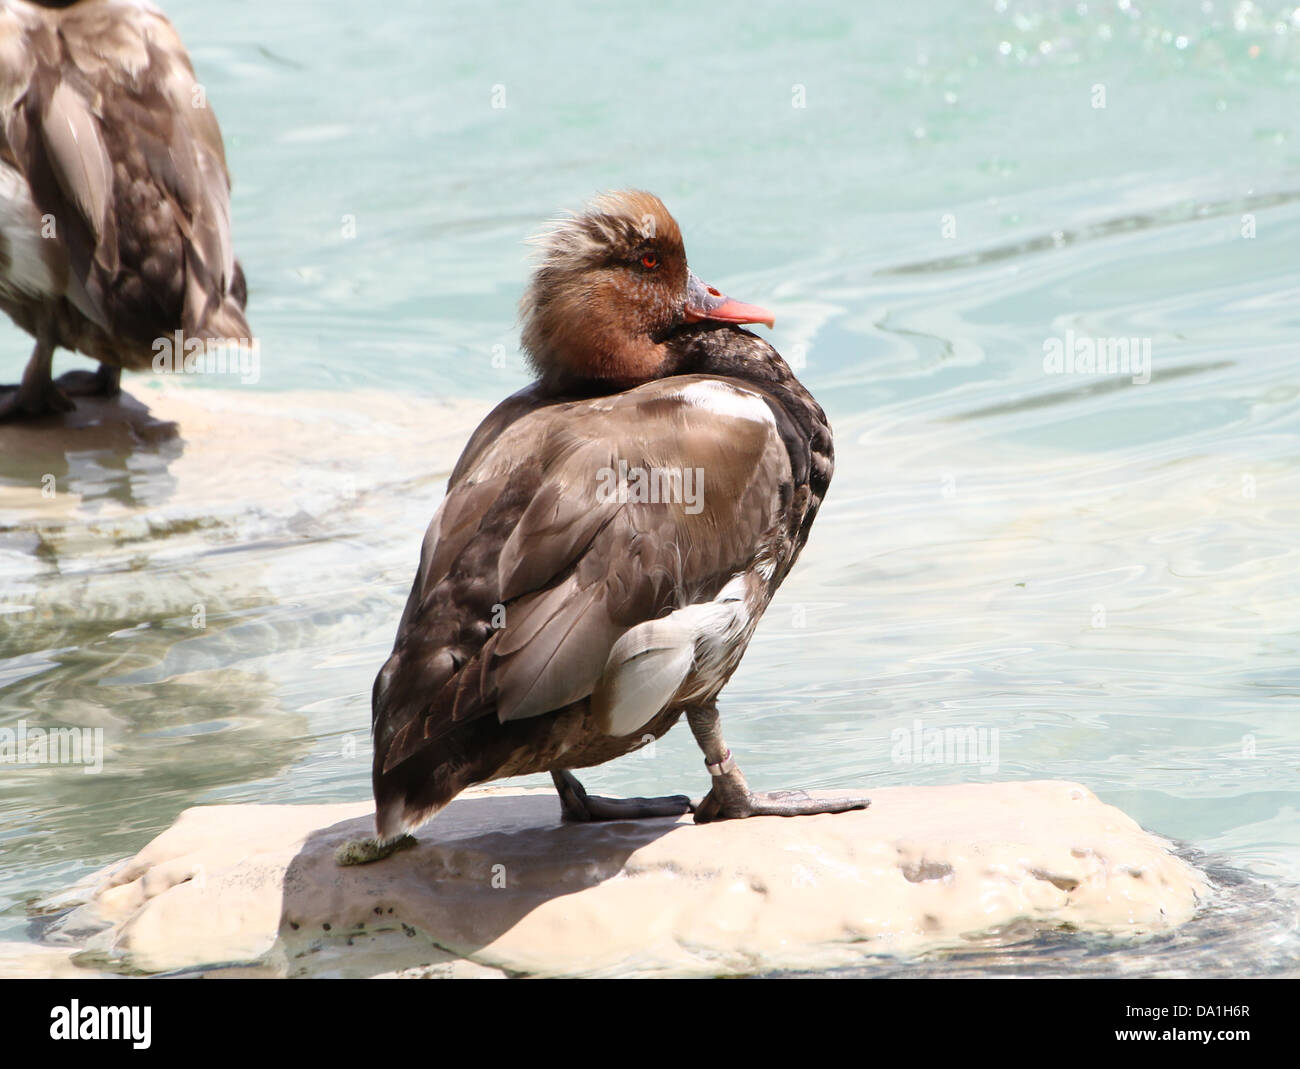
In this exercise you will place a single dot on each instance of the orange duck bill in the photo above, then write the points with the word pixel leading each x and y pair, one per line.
pixel 706 302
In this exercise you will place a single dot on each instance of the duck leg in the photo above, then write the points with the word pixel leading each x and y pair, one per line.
pixel 105 382
pixel 36 395
pixel 577 805
pixel 731 798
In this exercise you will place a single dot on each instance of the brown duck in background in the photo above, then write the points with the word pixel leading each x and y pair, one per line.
pixel 556 623
pixel 114 195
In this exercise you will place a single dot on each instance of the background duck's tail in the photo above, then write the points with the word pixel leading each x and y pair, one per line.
pixel 225 321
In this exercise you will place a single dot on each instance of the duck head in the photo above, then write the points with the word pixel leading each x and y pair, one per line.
pixel 611 288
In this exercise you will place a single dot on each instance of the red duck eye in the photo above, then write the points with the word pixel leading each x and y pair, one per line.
pixel 649 260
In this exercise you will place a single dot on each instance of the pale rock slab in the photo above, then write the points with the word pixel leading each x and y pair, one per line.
pixel 497 885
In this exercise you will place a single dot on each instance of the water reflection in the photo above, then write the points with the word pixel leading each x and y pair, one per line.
pixel 112 450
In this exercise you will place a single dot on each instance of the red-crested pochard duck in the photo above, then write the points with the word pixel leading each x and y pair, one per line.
pixel 114 196
pixel 609 539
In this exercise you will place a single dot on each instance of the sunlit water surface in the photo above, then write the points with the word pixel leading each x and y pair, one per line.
pixel 1104 572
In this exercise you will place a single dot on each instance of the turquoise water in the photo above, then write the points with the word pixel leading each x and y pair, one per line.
pixel 1103 571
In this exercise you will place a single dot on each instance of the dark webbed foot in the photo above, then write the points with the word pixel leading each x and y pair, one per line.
pixel 104 382
pixel 731 799
pixel 32 402
pixel 37 395
pixel 577 805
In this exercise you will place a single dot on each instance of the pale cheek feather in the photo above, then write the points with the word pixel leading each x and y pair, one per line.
pixel 20 228
pixel 725 400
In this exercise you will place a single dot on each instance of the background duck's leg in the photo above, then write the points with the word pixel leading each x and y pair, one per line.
pixel 105 382
pixel 576 804
pixel 731 798
pixel 36 395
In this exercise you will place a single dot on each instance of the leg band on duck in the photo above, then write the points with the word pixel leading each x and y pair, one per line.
pixel 721 768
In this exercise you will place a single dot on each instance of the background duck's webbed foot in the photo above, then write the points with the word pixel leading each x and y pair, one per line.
pixel 104 382
pixel 577 805
pixel 37 395
pixel 731 799
pixel 31 401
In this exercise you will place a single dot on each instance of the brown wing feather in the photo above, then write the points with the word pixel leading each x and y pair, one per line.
pixel 569 570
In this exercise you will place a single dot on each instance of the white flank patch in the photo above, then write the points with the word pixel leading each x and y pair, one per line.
pixel 20 224
pixel 727 400
pixel 734 590
pixel 644 670
pixel 649 664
